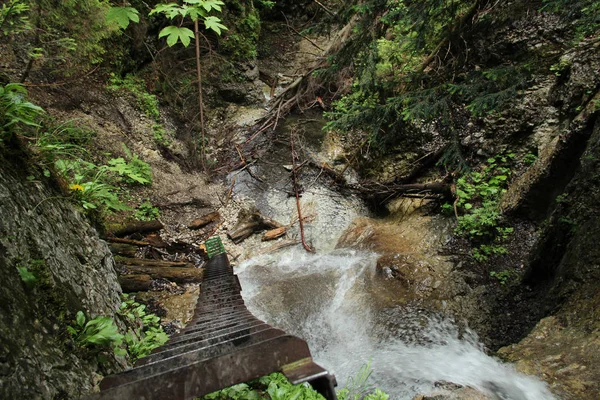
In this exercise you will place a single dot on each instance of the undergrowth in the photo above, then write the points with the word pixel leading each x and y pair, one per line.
pixel 276 387
pixel 480 219
pixel 63 148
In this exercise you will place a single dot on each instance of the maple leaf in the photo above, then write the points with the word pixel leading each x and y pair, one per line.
pixel 214 23
pixel 175 34
pixel 122 16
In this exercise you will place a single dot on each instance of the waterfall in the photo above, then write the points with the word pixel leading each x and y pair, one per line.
pixel 328 300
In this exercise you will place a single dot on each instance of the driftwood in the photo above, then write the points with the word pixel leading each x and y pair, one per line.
pixel 135 283
pixel 156 241
pixel 204 220
pixel 145 262
pixel 135 227
pixel 173 274
pixel 127 241
pixel 249 224
pixel 274 234
pixel 122 249
pixel 297 194
pixel 381 194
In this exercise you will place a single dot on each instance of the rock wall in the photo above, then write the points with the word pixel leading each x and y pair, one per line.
pixel 40 231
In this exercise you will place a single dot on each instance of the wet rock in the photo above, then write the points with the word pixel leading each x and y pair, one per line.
pixel 457 393
pixel 74 270
pixel 241 93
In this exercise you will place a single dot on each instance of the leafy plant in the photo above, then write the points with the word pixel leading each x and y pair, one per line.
pixel 357 387
pixel 503 277
pixel 198 11
pixel 122 16
pixel 529 158
pixel 478 195
pixel 134 171
pixel 28 277
pixel 96 334
pixel 15 111
pixel 147 102
pixel 14 18
pixel 274 387
pixel 146 212
pixel 145 332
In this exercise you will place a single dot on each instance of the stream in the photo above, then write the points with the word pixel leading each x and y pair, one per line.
pixel 347 311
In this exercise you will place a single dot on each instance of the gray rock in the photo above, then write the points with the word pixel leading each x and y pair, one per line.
pixel 42 232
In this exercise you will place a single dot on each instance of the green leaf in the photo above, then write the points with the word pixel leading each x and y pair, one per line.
pixel 214 24
pixel 208 5
pixel 80 318
pixel 122 16
pixel 27 276
pixel 175 34
pixel 171 10
pixel 468 206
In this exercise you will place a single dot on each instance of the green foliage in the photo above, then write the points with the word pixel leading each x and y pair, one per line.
pixel 357 386
pixel 96 334
pixel 15 111
pixel 134 171
pixel 195 10
pixel 70 35
pixel 14 17
pixel 27 276
pixel 147 102
pixel 160 134
pixel 584 14
pixel 529 158
pixel 89 185
pixel 503 277
pixel 562 198
pixel 478 195
pixel 241 42
pixel 274 387
pixel 414 59
pixel 146 212
pixel 122 16
pixel 145 332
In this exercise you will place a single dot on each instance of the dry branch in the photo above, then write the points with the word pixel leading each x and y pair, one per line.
pixel 204 220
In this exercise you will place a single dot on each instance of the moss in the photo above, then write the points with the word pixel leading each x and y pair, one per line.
pixel 244 25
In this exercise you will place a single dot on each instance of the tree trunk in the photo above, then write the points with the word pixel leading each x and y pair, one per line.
pixel 200 102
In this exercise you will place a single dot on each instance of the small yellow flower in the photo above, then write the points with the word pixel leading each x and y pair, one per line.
pixel 75 186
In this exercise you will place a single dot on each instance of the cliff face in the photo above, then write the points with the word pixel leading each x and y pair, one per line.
pixel 42 234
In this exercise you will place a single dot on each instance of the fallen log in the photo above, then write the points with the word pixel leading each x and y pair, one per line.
pixel 122 249
pixel 127 241
pixel 173 274
pixel 383 193
pixel 145 262
pixel 204 220
pixel 243 230
pixel 120 230
pixel 274 234
pixel 135 283
pixel 249 223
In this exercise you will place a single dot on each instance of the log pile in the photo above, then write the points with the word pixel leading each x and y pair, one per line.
pixel 250 223
pixel 130 240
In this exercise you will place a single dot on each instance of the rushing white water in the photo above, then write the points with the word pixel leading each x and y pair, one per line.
pixel 328 300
